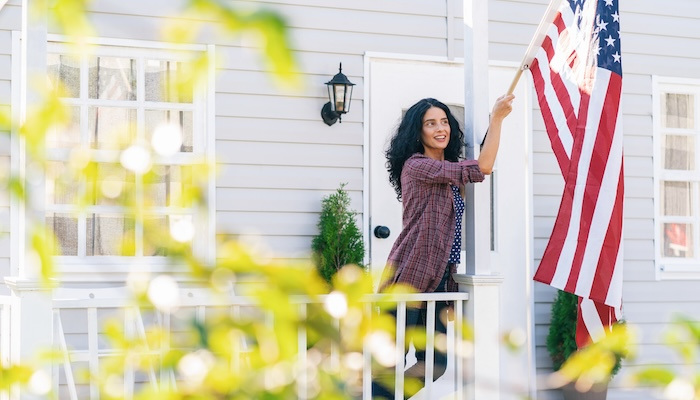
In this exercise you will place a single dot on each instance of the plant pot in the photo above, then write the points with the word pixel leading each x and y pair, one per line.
pixel 599 391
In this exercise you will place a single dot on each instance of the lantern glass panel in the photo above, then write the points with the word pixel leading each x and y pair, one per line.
pixel 348 98
pixel 331 96
pixel 339 98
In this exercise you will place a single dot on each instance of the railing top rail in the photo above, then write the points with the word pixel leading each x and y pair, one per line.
pixel 213 300
pixel 416 297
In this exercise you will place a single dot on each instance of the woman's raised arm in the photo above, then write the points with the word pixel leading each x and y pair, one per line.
pixel 487 156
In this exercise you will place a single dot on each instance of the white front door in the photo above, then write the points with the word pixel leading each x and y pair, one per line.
pixel 395 86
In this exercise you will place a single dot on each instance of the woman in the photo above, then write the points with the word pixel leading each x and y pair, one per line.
pixel 425 170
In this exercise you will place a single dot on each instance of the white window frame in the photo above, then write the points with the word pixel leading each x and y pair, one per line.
pixel 118 267
pixel 667 267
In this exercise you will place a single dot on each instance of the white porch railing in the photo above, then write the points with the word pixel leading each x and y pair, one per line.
pixel 78 314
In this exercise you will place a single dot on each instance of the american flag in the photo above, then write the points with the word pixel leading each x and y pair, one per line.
pixel 577 73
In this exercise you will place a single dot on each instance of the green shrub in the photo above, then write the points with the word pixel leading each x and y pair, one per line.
pixel 561 339
pixel 339 240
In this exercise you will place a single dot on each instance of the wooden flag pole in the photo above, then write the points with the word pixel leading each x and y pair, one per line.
pixel 536 41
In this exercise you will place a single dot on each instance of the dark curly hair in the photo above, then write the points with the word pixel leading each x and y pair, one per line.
pixel 406 140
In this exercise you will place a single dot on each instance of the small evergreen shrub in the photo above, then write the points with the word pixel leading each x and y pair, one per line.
pixel 339 240
pixel 561 339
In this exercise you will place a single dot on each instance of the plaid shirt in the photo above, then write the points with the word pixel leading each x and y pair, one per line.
pixel 421 251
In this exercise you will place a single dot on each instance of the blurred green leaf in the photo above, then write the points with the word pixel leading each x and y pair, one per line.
pixel 657 376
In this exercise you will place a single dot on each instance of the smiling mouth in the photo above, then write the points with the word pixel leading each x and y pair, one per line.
pixel 440 137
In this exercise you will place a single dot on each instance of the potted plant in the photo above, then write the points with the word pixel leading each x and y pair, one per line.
pixel 561 344
pixel 339 240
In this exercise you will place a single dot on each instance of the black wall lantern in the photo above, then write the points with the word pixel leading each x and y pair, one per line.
pixel 339 96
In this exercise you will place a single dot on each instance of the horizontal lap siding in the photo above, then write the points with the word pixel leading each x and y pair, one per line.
pixel 656 40
pixel 281 160
pixel 277 159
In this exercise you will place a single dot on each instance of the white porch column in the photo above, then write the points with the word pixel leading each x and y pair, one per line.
pixel 482 369
pixel 31 323
pixel 476 107
pixel 482 310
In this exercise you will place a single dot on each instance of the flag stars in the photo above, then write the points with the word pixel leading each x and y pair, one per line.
pixel 616 57
pixel 616 17
pixel 609 3
pixel 610 41
pixel 602 26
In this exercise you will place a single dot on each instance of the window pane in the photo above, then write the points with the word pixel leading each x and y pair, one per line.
pixel 61 185
pixel 156 236
pixel 678 111
pixel 678 240
pixel 111 127
pixel 112 78
pixel 183 119
pixel 109 184
pixel 162 79
pixel 68 136
pixel 65 229
pixel 168 186
pixel 64 71
pixel 676 198
pixel 679 152
pixel 160 232
pixel 110 235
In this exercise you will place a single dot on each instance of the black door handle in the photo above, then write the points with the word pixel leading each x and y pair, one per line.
pixel 381 232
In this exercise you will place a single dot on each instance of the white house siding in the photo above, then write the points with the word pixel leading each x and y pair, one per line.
pixel 657 39
pixel 277 158
pixel 9 21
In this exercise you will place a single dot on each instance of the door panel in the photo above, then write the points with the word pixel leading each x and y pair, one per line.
pixel 395 86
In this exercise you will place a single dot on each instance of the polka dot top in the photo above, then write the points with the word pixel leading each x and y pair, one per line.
pixel 459 210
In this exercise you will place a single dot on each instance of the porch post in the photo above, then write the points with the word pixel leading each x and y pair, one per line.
pixel 482 310
pixel 31 316
pixel 481 368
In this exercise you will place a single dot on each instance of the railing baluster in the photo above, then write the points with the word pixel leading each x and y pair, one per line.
pixel 67 368
pixel 335 349
pixel 164 347
pixel 400 348
pixel 236 355
pixel 141 332
pixel 429 348
pixel 302 383
pixel 93 349
pixel 459 349
pixel 201 314
pixel 129 378
pixel 367 358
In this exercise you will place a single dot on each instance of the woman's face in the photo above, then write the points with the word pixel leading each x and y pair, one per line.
pixel 435 134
